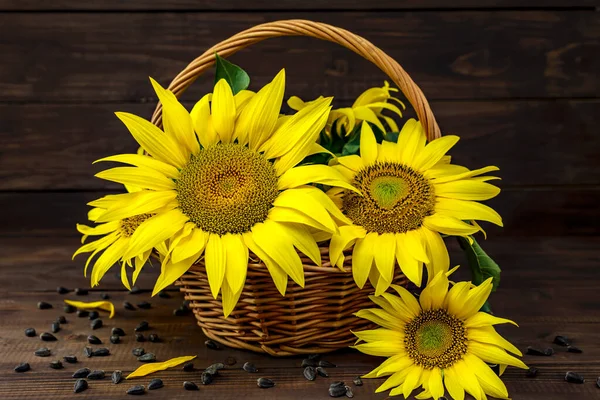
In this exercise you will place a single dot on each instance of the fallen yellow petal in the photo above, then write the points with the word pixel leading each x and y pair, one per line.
pixel 147 369
pixel 102 305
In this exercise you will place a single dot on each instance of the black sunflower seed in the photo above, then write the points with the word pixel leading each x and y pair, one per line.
pixel 573 377
pixel 187 385
pixel 153 337
pixel 116 377
pixel 144 305
pixel 128 306
pixel 55 327
pixel 310 373
pixel 326 364
pixel 135 290
pixel 80 385
pixel 188 367
pixel 117 331
pixel 338 383
pixel 249 367
pixel 81 373
pixel 136 390
pixel 155 384
pixel 230 361
pixel 358 381
pixel 308 363
pixel 265 383
pixel 321 371
pixel 573 349
pixel 148 357
pixel 211 344
pixel 96 324
pixel 62 290
pixel 337 390
pixel 56 365
pixel 101 352
pixel 214 369
pixel 42 305
pixel 104 296
pixel 24 367
pixel 562 341
pixel 30 332
pixel 142 326
pixel 94 340
pixel 180 312
pixel 139 337
pixel 82 313
pixel 115 339
pixel 87 351
pixel 138 352
pixel 61 320
pixel 206 378
pixel 164 295
pixel 48 337
pixel 185 304
pixel 93 315
pixel 69 309
pixel 42 352
pixel 96 375
pixel 531 372
pixel 70 359
pixel 81 292
pixel 349 393
pixel 532 351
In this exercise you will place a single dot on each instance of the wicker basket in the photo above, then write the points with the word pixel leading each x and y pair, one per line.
pixel 319 317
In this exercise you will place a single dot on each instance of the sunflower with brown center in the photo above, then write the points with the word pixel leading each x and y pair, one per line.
pixel 222 181
pixel 408 194
pixel 441 340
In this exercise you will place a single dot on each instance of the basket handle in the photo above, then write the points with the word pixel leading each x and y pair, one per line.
pixel 298 27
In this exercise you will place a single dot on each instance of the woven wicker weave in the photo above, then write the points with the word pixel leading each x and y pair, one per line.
pixel 319 317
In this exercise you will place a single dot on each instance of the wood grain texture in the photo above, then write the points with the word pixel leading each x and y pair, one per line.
pixel 52 147
pixel 91 57
pixel 543 304
pixel 256 5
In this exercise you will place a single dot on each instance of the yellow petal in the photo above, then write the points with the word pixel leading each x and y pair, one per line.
pixel 303 241
pixel 229 298
pixel 432 297
pixel 124 279
pixel 153 140
pixel 467 379
pixel 143 161
pixel 317 173
pixel 140 261
pixel 368 145
pixel 381 349
pixel 466 190
pixel 412 380
pixel 237 261
pixel 285 214
pixel 241 100
pixel 153 231
pixel 494 355
pixel 415 245
pixel 382 318
pixel 190 245
pixel 475 299
pixel 142 177
pixel 484 319
pixel 171 271
pixel 376 372
pixel 467 210
pixel 362 258
pixel 433 152
pixel 101 305
pixel 161 366
pixel 353 162
pixel 381 334
pixel 437 253
pixel 111 255
pixel 176 120
pixel 448 225
pixel 299 200
pixel 489 335
pixel 277 244
pixel 279 276
pixel 385 256
pixel 131 204
pixel 409 300
pixel 452 383
pixel 215 260
pixel 326 202
pixel 223 110
pixel 367 115
pixel 411 267
pixel 435 385
pixel 411 141
pixel 341 241
pixel 203 122
pixel 449 173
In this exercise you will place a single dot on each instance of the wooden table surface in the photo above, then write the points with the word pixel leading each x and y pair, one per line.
pixel 549 287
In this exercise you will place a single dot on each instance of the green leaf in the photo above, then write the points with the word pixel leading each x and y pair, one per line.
pixel 481 265
pixel 236 77
pixel 391 136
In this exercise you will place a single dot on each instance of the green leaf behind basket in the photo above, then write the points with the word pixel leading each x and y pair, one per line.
pixel 481 265
pixel 236 77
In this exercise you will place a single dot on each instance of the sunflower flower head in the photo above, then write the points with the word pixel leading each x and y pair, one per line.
pixel 222 181
pixel 369 106
pixel 410 194
pixel 440 342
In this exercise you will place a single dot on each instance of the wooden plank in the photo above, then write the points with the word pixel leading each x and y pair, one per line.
pixel 260 5
pixel 533 142
pixel 452 55
pixel 544 303
pixel 552 211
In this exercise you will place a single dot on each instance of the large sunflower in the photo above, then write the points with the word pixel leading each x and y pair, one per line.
pixel 440 339
pixel 223 181
pixel 410 193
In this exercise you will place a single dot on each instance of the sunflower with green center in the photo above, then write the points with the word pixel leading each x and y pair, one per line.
pixel 223 181
pixel 368 107
pixel 409 195
pixel 440 340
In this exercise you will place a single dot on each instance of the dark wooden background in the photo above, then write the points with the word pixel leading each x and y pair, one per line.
pixel 517 80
